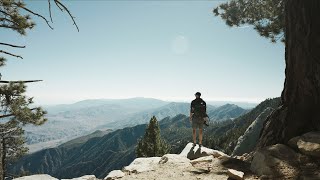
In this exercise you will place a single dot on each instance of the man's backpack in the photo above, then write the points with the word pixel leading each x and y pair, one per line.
pixel 200 109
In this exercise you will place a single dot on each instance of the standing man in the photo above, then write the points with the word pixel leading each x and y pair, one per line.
pixel 198 111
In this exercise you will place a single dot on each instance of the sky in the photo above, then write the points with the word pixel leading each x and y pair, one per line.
pixel 157 49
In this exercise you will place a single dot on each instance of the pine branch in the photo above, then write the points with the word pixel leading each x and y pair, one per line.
pixel 8 131
pixel 16 46
pixel 8 115
pixel 49 3
pixel 36 14
pixel 29 81
pixel 5 52
pixel 8 26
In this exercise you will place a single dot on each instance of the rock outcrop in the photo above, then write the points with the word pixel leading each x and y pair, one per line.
pixel 193 162
pixel 247 142
pixel 299 160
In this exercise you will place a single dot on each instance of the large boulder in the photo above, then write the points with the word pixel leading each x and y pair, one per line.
pixel 308 143
pixel 247 142
pixel 278 161
pixel 194 152
pixel 142 165
pixel 37 177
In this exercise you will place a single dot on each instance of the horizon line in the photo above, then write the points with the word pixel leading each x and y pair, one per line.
pixel 172 99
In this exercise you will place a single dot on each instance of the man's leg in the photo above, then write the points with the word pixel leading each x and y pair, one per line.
pixel 200 136
pixel 194 135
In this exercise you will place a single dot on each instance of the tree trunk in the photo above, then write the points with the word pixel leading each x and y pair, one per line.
pixel 300 110
pixel 2 156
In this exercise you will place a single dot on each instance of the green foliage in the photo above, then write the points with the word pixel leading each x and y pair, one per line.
pixel 152 144
pixel 267 16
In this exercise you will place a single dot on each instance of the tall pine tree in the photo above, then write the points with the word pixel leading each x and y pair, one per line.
pixel 15 107
pixel 295 22
pixel 152 145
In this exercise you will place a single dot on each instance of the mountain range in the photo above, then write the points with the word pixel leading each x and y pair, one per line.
pixel 66 122
pixel 104 151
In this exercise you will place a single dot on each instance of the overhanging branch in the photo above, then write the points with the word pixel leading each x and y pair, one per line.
pixel 10 54
pixel 36 14
pixel 12 45
pixel 58 3
pixel 8 115
pixel 29 81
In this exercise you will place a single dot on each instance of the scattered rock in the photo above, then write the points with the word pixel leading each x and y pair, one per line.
pixel 309 144
pixel 178 160
pixel 247 142
pixel 202 159
pixel 37 177
pixel 194 152
pixel 85 177
pixel 142 165
pixel 234 174
pixel 115 174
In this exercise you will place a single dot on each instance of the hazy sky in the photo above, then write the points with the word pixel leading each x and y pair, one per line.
pixel 160 49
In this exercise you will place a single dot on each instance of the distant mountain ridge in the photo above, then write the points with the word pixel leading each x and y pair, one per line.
pixel 225 112
pixel 100 155
pixel 75 120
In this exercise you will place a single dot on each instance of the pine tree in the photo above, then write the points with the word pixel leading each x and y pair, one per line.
pixel 152 145
pixel 296 23
pixel 15 107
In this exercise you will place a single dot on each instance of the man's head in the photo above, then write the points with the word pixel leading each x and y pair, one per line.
pixel 197 94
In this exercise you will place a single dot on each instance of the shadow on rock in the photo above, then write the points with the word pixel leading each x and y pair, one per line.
pixel 192 154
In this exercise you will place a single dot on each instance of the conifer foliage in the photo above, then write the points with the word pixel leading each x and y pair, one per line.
pixel 152 144
pixel 16 108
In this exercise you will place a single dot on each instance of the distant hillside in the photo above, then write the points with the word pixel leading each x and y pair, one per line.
pixel 169 110
pixel 227 133
pixel 66 122
pixel 244 105
pixel 100 155
pixel 137 104
pixel 225 112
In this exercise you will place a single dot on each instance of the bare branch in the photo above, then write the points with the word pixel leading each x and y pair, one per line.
pixel 29 81
pixel 36 14
pixel 16 46
pixel 65 8
pixel 58 5
pixel 5 52
pixel 49 2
